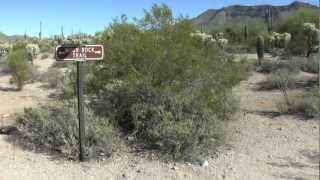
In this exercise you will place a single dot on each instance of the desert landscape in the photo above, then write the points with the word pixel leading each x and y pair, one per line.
pixel 230 94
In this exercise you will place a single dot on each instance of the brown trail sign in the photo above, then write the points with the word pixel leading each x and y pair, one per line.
pixel 80 53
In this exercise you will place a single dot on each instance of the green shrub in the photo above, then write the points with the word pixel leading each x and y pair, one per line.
pixel 177 125
pixel 55 127
pixel 45 47
pixel 162 85
pixel 20 69
pixel 19 45
pixel 294 26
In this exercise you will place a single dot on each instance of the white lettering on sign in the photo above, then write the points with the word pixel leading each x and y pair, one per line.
pixel 81 53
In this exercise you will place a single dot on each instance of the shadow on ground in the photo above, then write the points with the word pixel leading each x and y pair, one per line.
pixel 7 89
pixel 15 138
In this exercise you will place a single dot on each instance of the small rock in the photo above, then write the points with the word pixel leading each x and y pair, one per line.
pixel 138 171
pixel 175 168
pixel 205 163
pixel 130 138
pixel 123 175
pixel 280 129
pixel 5 115
pixel 102 154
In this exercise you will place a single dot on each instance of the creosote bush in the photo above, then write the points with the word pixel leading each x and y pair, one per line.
pixel 164 86
pixel 178 125
pixel 55 127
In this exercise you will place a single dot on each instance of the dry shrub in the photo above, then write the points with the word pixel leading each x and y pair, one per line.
pixel 53 77
pixel 269 66
pixel 306 104
pixel 310 65
pixel 277 80
pixel 55 127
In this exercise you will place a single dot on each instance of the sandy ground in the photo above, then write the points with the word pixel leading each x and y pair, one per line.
pixel 264 146
pixel 12 101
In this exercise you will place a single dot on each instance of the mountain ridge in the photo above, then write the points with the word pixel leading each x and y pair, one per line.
pixel 7 38
pixel 235 14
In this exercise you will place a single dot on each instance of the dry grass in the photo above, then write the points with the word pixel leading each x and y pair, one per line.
pixel 306 104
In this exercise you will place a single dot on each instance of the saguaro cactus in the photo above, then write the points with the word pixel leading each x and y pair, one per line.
pixel 245 31
pixel 62 34
pixel 40 33
pixel 25 35
pixel 269 19
pixel 260 49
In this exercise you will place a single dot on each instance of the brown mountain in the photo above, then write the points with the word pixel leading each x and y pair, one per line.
pixel 6 38
pixel 238 14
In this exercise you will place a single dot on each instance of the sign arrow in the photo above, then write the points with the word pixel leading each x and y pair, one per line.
pixel 97 52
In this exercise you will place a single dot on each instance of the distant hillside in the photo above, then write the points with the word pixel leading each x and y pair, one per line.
pixel 237 14
pixel 6 38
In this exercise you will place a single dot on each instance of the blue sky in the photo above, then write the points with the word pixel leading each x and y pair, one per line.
pixel 89 16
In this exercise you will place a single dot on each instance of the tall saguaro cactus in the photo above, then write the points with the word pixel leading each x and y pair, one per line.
pixel 245 31
pixel 62 34
pixel 25 35
pixel 269 19
pixel 260 49
pixel 40 33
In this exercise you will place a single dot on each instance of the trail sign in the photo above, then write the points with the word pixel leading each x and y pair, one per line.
pixel 79 52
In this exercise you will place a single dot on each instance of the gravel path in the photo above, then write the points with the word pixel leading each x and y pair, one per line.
pixel 264 146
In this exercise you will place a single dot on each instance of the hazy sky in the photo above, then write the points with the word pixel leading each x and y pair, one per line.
pixel 93 15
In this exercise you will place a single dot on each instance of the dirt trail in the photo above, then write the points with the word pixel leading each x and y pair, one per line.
pixel 264 146
pixel 12 101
